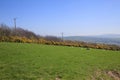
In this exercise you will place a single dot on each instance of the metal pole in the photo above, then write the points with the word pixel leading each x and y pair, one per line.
pixel 15 25
pixel 62 36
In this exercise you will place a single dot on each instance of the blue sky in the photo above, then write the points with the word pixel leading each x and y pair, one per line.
pixel 72 17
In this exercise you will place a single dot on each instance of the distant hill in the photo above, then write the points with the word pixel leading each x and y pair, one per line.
pixel 106 39
pixel 109 36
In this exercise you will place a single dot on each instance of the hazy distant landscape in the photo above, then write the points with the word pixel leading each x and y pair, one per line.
pixel 105 39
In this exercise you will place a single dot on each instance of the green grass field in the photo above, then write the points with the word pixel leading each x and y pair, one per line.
pixel 22 61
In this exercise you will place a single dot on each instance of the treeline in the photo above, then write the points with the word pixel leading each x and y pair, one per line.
pixel 20 35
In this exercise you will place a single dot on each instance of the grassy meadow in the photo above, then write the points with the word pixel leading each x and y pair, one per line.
pixel 22 61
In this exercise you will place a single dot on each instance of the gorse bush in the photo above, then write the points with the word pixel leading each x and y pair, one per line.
pixel 20 35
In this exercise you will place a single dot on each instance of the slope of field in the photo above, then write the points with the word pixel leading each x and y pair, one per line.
pixel 21 61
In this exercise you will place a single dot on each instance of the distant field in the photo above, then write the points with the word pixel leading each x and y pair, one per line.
pixel 21 61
